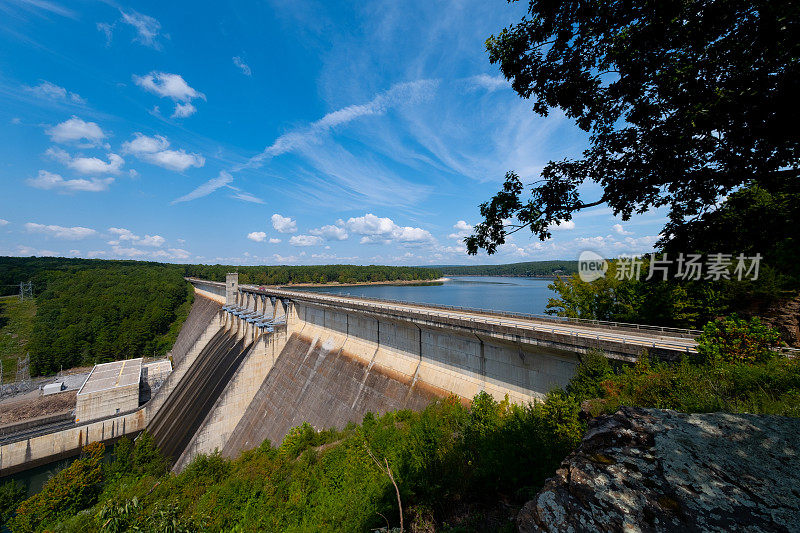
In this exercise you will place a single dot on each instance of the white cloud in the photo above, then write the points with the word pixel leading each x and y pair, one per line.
pixel 383 230
pixel 152 240
pixel 462 230
pixel 273 240
pixel 330 232
pixel 75 129
pixel 397 94
pixel 257 236
pixel 179 254
pixel 305 240
pixel 207 188
pixel 95 253
pixel 244 196
pixel 143 144
pixel 131 252
pixel 27 251
pixel 87 165
pixel 283 224
pixel 620 230
pixel 51 91
pixel 124 234
pixel 3 222
pixel 108 31
pixel 177 160
pixel 563 225
pixel 245 68
pixel 60 232
pixel 154 150
pixel 184 110
pixel 48 180
pixel 147 28
pixel 172 86
pixel 490 83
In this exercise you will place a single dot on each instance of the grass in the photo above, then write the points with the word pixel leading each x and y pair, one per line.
pixel 16 325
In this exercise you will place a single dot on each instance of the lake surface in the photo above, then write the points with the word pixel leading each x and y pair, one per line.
pixel 518 295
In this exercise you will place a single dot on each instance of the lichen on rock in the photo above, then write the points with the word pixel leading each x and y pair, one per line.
pixel 661 470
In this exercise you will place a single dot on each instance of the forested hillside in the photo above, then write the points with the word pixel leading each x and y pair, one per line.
pixel 104 314
pixel 531 268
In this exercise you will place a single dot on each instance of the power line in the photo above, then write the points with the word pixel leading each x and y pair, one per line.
pixel 25 290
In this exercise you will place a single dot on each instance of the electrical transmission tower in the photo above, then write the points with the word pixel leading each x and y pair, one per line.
pixel 23 372
pixel 25 290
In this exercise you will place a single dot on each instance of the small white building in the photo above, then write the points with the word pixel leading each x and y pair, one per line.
pixel 53 388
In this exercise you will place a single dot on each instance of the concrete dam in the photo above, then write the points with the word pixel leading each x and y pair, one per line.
pixel 250 363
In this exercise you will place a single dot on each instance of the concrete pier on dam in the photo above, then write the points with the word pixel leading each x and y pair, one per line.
pixel 251 362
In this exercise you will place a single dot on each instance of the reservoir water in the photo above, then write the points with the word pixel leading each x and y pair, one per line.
pixel 518 295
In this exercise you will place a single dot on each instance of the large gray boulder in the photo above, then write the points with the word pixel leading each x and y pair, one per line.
pixel 660 470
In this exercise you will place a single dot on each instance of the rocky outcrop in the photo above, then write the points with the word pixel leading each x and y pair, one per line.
pixel 785 317
pixel 660 470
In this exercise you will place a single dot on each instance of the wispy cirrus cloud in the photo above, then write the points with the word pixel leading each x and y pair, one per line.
pixel 39 7
pixel 207 188
pixel 404 93
pixel 244 67
pixel 147 28
pixel 50 91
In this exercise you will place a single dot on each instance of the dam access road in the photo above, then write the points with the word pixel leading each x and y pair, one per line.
pixel 672 339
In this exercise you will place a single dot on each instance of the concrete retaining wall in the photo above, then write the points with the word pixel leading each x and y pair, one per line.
pixel 442 358
pixel 42 449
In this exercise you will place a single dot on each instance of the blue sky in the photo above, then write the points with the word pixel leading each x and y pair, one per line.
pixel 271 133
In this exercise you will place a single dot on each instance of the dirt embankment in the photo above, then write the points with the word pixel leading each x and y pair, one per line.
pixel 29 408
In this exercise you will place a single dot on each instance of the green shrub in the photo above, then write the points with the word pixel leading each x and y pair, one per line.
pixel 139 457
pixel 737 340
pixel 12 493
pixel 593 369
pixel 71 490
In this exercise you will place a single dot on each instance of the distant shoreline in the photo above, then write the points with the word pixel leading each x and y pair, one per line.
pixel 552 276
pixel 437 281
pixel 417 282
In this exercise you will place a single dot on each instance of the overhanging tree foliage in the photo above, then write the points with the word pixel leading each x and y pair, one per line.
pixel 685 101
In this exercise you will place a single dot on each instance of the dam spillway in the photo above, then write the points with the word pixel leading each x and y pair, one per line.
pixel 189 402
